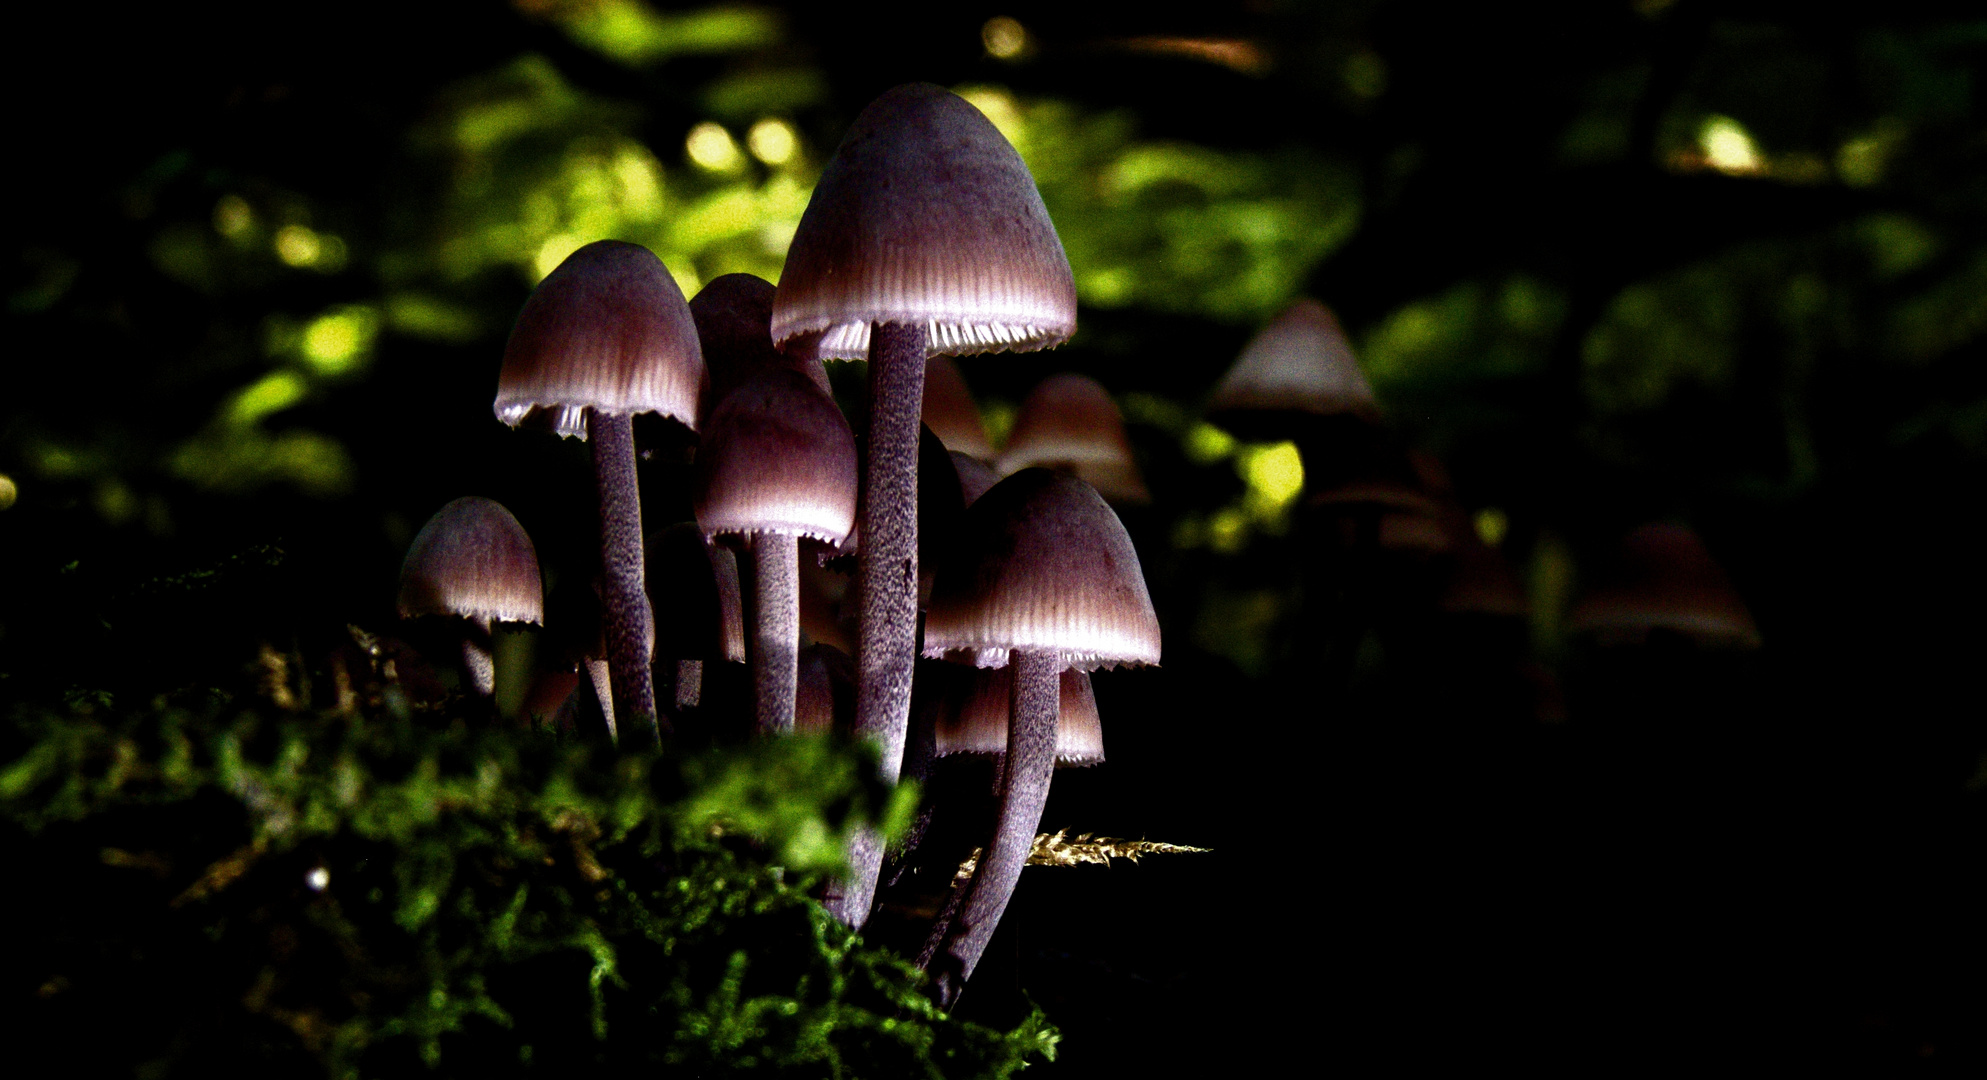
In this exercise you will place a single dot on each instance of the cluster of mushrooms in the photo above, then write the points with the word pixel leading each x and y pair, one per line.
pixel 925 239
pixel 1406 548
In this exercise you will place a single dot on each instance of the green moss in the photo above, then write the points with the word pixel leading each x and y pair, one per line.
pixel 360 894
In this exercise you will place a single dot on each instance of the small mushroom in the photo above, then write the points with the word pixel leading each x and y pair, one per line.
pixel 473 561
pixel 777 463
pixel 1045 579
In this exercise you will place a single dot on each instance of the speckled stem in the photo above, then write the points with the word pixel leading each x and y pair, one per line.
pixel 886 583
pixel 625 605
pixel 1024 791
pixel 689 683
pixel 596 673
pixel 776 629
pixel 476 658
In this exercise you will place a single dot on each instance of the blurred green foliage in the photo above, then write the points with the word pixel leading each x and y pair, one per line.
pixel 385 891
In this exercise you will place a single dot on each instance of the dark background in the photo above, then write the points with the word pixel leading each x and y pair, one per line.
pixel 1558 282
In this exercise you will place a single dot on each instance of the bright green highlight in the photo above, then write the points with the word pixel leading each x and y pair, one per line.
pixel 1206 444
pixel 1172 226
pixel 339 342
pixel 634 33
pixel 1274 472
pixel 273 393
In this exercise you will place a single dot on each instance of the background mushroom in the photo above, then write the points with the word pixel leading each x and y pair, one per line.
pixel 1662 580
pixel 1069 422
pixel 948 410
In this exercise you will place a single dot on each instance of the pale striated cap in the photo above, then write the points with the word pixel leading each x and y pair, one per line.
pixel 925 215
pixel 472 560
pixel 949 410
pixel 608 330
pixel 1300 363
pixel 1069 422
pixel 1043 565
pixel 1664 579
pixel 777 457
pixel 978 725
pixel 734 317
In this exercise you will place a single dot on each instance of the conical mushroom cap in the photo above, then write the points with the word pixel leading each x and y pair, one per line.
pixel 473 560
pixel 734 317
pixel 1043 564
pixel 1070 422
pixel 949 410
pixel 1300 363
pixel 1665 580
pixel 777 457
pixel 925 215
pixel 609 331
pixel 978 725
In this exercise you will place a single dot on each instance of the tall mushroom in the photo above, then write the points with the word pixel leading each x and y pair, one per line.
pixel 473 561
pixel 605 336
pixel 1046 579
pixel 925 236
pixel 777 463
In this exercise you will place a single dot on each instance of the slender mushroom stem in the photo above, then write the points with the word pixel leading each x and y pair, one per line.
pixel 625 604
pixel 887 573
pixel 776 629
pixel 1024 792
pixel 886 583
pixel 603 692
pixel 476 658
pixel 689 683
